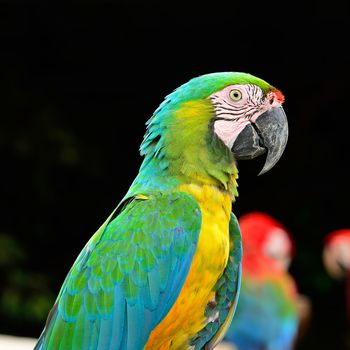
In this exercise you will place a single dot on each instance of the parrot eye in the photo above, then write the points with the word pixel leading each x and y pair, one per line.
pixel 235 95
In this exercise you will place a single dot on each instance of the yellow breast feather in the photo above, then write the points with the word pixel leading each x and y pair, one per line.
pixel 187 316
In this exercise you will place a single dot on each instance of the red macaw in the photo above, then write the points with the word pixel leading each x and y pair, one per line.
pixel 267 312
pixel 336 257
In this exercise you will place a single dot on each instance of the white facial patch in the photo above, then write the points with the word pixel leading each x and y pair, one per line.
pixel 233 114
pixel 342 251
pixel 279 247
pixel 336 257
pixel 278 243
pixel 225 131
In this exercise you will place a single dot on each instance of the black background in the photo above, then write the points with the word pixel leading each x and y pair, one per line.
pixel 77 85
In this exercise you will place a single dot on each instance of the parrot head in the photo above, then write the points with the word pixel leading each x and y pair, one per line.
pixel 215 118
pixel 336 253
pixel 264 238
pixel 251 121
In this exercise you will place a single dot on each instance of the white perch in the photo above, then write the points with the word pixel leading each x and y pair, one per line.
pixel 9 342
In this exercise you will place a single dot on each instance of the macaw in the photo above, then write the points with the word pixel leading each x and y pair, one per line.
pixel 336 258
pixel 163 271
pixel 267 314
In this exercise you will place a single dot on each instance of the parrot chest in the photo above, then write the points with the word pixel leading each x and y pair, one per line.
pixel 187 316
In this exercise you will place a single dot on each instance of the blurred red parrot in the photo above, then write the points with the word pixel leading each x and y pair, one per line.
pixel 270 313
pixel 336 257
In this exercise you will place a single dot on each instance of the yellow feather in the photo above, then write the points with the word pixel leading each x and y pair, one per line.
pixel 186 318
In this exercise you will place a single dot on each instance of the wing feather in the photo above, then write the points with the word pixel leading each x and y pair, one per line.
pixel 127 277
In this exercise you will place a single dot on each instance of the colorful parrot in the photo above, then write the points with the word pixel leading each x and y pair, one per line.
pixel 267 313
pixel 163 271
pixel 336 257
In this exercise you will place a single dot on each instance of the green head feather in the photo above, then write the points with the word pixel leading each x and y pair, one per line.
pixel 180 142
pixel 203 86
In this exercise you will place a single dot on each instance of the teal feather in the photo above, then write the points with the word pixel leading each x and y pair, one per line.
pixel 164 270
pixel 104 338
pixel 119 319
pixel 81 330
pixel 135 317
pixel 94 335
pixel 154 288
pixel 118 297
pixel 94 284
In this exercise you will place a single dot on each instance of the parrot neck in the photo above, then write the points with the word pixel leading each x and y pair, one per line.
pixel 181 147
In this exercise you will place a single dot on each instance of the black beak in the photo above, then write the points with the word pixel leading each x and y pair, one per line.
pixel 268 134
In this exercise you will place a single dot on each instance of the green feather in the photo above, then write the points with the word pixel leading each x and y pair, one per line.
pixel 117 275
pixel 127 276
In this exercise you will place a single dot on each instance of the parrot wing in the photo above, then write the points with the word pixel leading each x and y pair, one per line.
pixel 127 277
pixel 222 309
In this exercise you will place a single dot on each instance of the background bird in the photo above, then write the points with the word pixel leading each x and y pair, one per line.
pixel 268 311
pixel 163 271
pixel 336 258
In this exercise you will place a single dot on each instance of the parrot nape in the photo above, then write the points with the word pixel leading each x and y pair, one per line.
pixel 267 313
pixel 336 257
pixel 163 271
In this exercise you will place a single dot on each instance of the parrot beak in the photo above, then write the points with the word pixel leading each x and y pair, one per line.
pixel 269 133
